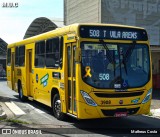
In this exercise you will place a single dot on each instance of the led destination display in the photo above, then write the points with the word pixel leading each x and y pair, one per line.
pixel 116 33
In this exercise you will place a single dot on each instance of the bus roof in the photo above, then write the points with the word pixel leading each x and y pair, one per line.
pixel 64 30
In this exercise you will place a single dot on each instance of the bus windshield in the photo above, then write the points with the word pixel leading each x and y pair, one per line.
pixel 108 65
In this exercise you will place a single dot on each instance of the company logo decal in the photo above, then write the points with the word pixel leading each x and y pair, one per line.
pixel 44 80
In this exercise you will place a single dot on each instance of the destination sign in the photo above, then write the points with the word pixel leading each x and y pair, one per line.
pixel 117 33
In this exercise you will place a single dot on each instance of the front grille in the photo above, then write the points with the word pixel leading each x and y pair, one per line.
pixel 130 111
pixel 119 95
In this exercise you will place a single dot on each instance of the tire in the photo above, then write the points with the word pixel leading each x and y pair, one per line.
pixel 20 91
pixel 56 107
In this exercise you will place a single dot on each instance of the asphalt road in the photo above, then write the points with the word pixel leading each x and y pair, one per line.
pixel 39 116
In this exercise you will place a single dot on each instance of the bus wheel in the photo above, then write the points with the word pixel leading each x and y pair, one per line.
pixel 56 107
pixel 21 96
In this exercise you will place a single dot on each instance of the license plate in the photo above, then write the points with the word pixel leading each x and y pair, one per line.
pixel 120 114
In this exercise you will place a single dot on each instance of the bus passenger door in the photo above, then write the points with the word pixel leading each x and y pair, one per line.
pixel 72 109
pixel 12 70
pixel 29 73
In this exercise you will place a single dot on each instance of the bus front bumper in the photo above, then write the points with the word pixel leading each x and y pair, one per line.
pixel 89 112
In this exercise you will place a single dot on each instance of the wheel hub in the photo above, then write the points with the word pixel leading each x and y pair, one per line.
pixel 57 107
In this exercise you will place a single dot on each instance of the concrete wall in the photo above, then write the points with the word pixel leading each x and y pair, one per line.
pixel 78 11
pixel 142 13
pixel 156 62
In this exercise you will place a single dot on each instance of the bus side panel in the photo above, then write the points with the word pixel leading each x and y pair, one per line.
pixel 42 86
pixel 24 81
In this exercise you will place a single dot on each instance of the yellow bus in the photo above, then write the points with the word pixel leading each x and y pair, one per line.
pixel 84 70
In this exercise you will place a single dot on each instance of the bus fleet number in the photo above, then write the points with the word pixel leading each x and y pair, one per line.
pixel 103 76
pixel 94 33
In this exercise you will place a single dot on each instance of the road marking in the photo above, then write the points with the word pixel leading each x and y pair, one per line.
pixel 15 109
pixel 36 109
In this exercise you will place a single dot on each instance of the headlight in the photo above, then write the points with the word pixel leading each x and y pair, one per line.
pixel 88 99
pixel 147 97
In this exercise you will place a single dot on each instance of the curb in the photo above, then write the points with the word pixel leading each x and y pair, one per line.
pixel 156 112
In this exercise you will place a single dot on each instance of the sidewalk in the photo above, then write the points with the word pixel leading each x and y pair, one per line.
pixel 155 104
pixel 5 112
pixel 2 113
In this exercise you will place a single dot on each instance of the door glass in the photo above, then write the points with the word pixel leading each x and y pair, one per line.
pixel 69 80
pixel 69 95
pixel 74 63
pixel 74 89
pixel 69 61
pixel 74 80
pixel 30 62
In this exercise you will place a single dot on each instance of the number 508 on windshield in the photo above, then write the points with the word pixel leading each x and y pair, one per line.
pixel 103 76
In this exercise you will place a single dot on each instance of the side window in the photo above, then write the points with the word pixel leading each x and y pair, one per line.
pixel 40 54
pixel 22 56
pixel 8 57
pixel 52 52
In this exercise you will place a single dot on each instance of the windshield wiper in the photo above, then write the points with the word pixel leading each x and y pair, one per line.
pixel 129 52
pixel 128 55
pixel 125 66
pixel 108 54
